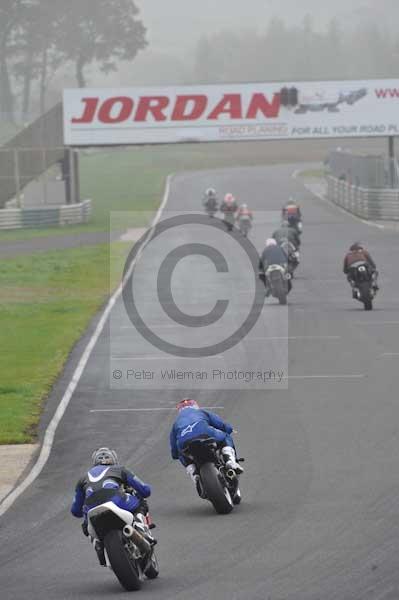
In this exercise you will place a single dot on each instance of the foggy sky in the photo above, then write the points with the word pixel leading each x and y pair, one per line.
pixel 175 25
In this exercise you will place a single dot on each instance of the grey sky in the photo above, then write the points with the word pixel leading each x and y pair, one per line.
pixel 175 25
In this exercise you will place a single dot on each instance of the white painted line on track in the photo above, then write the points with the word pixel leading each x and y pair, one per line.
pixel 131 326
pixel 296 337
pixel 377 323
pixel 63 405
pixel 156 408
pixel 165 357
pixel 340 280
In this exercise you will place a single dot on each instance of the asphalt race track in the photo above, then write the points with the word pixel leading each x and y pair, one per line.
pixel 320 514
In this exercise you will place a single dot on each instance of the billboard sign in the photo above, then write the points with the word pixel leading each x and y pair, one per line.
pixel 226 112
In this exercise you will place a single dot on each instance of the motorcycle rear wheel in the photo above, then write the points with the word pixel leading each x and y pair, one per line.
pixel 217 494
pixel 122 565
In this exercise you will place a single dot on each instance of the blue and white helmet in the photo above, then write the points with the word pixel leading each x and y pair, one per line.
pixel 104 456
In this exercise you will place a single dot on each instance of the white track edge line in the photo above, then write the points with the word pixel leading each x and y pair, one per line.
pixel 63 405
pixel 150 409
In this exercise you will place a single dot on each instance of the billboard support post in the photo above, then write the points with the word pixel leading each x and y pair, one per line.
pixel 17 175
pixel 391 155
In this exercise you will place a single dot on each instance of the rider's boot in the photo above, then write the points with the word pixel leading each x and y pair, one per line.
pixel 191 470
pixel 237 497
pixel 147 525
pixel 230 459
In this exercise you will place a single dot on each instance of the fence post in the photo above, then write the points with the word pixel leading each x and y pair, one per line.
pixel 72 175
pixel 391 154
pixel 45 191
pixel 17 176
pixel 76 176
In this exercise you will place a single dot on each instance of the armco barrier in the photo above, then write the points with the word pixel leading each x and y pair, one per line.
pixel 373 204
pixel 45 216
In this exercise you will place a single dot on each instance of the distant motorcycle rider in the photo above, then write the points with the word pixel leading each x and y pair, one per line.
pixel 229 204
pixel 106 475
pixel 273 254
pixel 291 209
pixel 192 423
pixel 244 212
pixel 291 213
pixel 244 218
pixel 210 200
pixel 229 207
pixel 286 232
pixel 358 254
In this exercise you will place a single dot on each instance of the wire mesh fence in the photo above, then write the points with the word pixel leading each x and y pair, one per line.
pixel 33 177
pixel 31 153
pixel 365 171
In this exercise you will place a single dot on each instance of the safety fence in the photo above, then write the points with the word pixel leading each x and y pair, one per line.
pixel 45 216
pixel 363 170
pixel 32 178
pixel 31 152
pixel 369 203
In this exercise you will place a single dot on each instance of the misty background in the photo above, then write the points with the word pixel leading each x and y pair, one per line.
pixel 47 45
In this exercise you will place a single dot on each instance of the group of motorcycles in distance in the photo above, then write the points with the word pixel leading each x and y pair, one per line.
pixel 280 257
pixel 233 215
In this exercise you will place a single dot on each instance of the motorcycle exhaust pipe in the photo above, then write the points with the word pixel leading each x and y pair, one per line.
pixel 128 531
pixel 137 539
pixel 231 474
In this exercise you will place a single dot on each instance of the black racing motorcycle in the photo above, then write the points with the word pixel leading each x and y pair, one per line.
pixel 363 283
pixel 278 282
pixel 217 483
pixel 244 224
pixel 125 541
pixel 229 219
pixel 211 207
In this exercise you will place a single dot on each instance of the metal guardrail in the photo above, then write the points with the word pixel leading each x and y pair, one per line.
pixel 371 204
pixel 45 216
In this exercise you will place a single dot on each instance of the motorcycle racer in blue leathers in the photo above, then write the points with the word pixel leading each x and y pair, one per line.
pixel 121 486
pixel 192 423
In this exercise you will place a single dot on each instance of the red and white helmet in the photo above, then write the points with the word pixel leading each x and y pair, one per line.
pixel 186 403
pixel 229 198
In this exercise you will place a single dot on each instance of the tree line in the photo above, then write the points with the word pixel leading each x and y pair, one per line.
pixel 40 37
pixel 342 51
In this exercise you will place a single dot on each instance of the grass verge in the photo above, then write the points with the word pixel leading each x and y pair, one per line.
pixel 312 174
pixel 47 302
